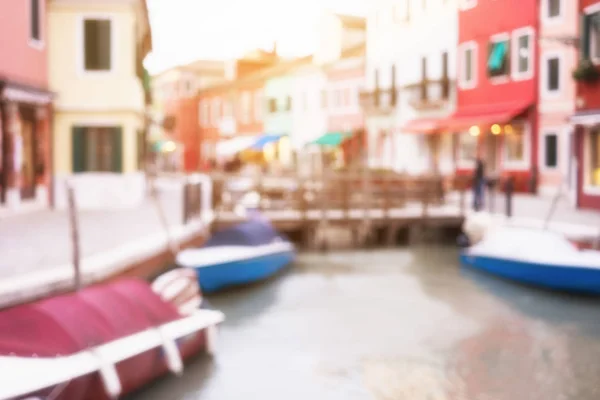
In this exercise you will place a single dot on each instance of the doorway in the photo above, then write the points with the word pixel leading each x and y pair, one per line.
pixel 28 153
pixel 491 147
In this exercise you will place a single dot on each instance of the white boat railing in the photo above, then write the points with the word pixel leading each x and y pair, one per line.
pixel 24 375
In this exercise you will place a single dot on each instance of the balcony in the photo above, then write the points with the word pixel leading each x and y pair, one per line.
pixel 378 100
pixel 429 94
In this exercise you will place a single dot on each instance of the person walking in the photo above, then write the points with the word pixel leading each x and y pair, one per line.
pixel 478 183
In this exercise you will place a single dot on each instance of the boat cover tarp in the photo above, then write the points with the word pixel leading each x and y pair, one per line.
pixel 255 232
pixel 70 323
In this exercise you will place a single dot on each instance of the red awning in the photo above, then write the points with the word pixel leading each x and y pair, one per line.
pixel 424 125
pixel 488 114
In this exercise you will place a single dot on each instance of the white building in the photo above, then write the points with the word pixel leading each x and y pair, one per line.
pixel 410 76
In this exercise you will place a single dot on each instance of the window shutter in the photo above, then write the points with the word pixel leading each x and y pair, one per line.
pixel 585 36
pixel 78 146
pixel 117 146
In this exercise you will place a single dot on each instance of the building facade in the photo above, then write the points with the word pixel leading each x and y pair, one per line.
pixel 25 107
pixel 95 66
pixel 496 114
pixel 587 116
pixel 559 24
pixel 177 90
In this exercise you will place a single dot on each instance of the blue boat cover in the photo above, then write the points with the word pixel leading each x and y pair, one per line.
pixel 255 232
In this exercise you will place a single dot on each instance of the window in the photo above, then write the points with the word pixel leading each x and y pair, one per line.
pixel 245 100
pixel 424 94
pixel 97 44
pixel 97 149
pixel 272 105
pixel 445 76
pixel 305 101
pixel 593 169
pixel 258 106
pixel 424 4
pixel 215 112
pixel 324 98
pixel 288 103
pixel 498 61
pixel 523 53
pixel 337 98
pixel 594 36
pixel 35 21
pixel 551 74
pixel 467 148
pixel 468 67
pixel 550 150
pixel 553 9
pixel 204 113
pixel 514 144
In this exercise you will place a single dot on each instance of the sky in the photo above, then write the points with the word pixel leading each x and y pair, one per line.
pixel 188 30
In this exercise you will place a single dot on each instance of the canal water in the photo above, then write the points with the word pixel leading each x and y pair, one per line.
pixel 394 325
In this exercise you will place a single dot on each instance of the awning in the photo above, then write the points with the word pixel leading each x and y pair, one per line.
pixel 233 146
pixel 424 125
pixel 588 117
pixel 331 139
pixel 24 94
pixel 488 114
pixel 262 141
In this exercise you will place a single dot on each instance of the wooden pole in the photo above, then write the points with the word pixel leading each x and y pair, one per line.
pixel 74 223
pixel 173 246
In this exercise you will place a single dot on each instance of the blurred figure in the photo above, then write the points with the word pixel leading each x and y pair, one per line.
pixel 479 183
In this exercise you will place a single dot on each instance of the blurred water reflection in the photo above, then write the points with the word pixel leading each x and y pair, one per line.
pixel 395 324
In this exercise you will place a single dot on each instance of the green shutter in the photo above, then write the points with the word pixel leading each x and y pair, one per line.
pixel 585 36
pixel 78 146
pixel 117 145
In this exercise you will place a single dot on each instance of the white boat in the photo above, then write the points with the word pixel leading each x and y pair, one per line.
pixel 535 257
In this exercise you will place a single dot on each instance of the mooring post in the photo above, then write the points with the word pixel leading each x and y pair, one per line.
pixel 509 189
pixel 74 223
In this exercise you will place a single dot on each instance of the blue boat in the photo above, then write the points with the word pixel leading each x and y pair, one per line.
pixel 246 253
pixel 538 258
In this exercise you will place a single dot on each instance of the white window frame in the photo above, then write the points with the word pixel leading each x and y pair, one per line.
pixel 498 80
pixel 545 9
pixel 587 148
pixel 547 131
pixel 114 34
pixel 462 49
pixel 215 112
pixel 594 57
pixel 37 43
pixel 545 72
pixel 525 163
pixel 465 5
pixel 516 35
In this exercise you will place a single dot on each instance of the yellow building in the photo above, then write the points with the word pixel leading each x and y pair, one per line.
pixel 96 51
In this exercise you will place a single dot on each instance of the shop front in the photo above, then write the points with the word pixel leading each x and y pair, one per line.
pixel 502 136
pixel 435 143
pixel 25 146
pixel 587 155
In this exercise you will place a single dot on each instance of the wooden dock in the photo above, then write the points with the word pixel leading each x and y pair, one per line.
pixel 363 205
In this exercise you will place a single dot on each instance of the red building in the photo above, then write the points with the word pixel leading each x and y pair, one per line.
pixel 587 116
pixel 25 105
pixel 231 113
pixel 497 88
pixel 177 88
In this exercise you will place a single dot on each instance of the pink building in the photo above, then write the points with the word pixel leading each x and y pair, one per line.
pixel 24 105
pixel 345 80
pixel 557 95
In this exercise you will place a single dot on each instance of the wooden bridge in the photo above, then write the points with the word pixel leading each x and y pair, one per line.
pixel 365 204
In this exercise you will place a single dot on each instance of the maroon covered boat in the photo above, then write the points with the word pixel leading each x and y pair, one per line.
pixel 115 338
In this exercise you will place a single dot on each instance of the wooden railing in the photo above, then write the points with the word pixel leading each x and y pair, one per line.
pixel 334 191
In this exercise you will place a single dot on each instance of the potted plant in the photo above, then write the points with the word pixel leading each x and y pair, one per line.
pixel 586 71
